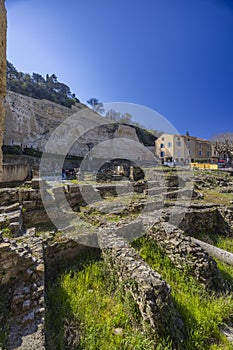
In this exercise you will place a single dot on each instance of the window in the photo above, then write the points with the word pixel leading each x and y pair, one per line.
pixel 200 145
pixel 162 138
pixel 169 144
pixel 200 153
pixel 178 143
pixel 161 154
pixel 208 154
pixel 178 153
pixel 162 145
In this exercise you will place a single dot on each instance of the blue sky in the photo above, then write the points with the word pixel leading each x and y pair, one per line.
pixel 173 56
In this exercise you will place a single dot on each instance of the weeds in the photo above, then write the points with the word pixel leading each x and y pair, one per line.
pixel 216 197
pixel 202 313
pixel 105 316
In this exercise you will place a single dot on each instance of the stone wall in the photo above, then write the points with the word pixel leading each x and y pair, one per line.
pixel 22 270
pixel 23 260
pixel 227 215
pixel 59 253
pixel 186 254
pixel 33 211
pixel 148 289
pixel 15 172
pixel 3 26
pixel 200 218
pixel 211 219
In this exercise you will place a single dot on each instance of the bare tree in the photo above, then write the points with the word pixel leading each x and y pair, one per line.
pixel 223 143
pixel 113 115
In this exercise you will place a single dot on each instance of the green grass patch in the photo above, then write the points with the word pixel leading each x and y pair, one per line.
pixel 43 229
pixel 225 243
pixel 102 315
pixel 203 313
pixel 227 272
pixel 216 197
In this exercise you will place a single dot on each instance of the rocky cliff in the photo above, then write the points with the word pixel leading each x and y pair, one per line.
pixel 30 123
pixel 2 73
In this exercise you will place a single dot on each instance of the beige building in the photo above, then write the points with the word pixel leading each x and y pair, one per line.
pixel 182 149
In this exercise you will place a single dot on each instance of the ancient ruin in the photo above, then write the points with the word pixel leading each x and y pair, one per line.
pixel 27 260
pixel 47 224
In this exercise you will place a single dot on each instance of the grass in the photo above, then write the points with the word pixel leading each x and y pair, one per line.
pixel 203 313
pixel 223 242
pixel 216 197
pixel 43 229
pixel 102 315
pixel 6 233
pixel 227 272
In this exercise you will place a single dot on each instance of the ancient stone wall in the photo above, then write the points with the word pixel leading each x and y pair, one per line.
pixel 65 251
pixel 148 289
pixel 15 172
pixel 22 270
pixel 186 254
pixel 226 214
pixel 24 257
pixel 3 26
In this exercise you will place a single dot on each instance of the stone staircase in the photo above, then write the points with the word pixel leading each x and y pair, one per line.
pixel 10 212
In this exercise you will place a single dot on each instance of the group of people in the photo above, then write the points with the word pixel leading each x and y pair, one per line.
pixel 68 174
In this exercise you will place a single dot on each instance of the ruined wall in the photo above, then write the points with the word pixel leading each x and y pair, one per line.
pixel 15 172
pixel 186 254
pixel 2 74
pixel 22 270
pixel 148 289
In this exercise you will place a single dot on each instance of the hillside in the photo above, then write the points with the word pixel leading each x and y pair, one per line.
pixel 36 86
pixel 30 123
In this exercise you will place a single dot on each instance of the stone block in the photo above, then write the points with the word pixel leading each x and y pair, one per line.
pixel 29 318
pixel 26 305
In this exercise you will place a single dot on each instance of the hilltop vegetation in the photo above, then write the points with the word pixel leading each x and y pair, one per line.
pixel 36 86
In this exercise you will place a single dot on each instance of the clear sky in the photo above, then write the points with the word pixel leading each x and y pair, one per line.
pixel 174 56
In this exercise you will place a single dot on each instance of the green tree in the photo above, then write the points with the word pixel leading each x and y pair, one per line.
pixel 37 86
pixel 96 105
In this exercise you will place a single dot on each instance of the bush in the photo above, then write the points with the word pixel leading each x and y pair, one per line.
pixel 7 149
pixel 32 152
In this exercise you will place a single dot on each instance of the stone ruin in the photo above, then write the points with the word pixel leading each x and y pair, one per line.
pixel 27 260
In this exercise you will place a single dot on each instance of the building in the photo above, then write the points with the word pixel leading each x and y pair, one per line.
pixel 182 149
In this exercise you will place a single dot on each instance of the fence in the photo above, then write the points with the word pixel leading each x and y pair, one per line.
pixel 204 166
